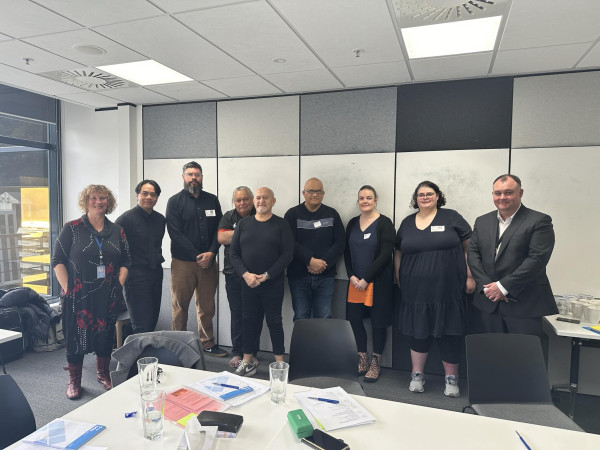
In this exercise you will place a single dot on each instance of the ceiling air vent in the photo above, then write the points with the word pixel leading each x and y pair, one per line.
pixel 428 12
pixel 89 78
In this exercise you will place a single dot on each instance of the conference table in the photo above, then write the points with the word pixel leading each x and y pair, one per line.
pixel 397 425
pixel 580 337
pixel 7 336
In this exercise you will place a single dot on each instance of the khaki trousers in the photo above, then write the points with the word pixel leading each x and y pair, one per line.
pixel 189 278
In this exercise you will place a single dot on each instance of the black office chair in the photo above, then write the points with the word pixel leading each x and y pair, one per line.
pixel 323 354
pixel 176 348
pixel 16 420
pixel 507 379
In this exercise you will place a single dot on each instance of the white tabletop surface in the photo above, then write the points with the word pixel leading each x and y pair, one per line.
pixel 571 329
pixel 398 425
pixel 9 335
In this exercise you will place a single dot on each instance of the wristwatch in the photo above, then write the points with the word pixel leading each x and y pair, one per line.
pixel 266 275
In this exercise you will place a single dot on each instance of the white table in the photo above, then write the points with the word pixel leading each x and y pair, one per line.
pixel 580 337
pixel 398 425
pixel 5 336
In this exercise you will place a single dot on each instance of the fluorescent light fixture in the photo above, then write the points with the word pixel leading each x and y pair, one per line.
pixel 454 38
pixel 145 73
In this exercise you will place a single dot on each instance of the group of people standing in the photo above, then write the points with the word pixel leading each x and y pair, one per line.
pixel 434 258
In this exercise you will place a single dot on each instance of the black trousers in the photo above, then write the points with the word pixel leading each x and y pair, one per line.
pixel 495 323
pixel 144 292
pixel 450 347
pixel 355 313
pixel 264 301
pixel 233 286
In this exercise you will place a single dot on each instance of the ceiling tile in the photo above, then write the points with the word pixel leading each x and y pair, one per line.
pixel 31 82
pixel 255 35
pixel 138 96
pixel 21 18
pixel 90 99
pixel 592 59
pixel 185 92
pixel 334 28
pixel 92 13
pixel 451 67
pixel 62 44
pixel 373 74
pixel 174 6
pixel 536 23
pixel 313 80
pixel 562 57
pixel 183 50
pixel 13 52
pixel 4 37
pixel 243 87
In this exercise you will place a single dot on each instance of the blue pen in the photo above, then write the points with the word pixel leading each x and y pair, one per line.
pixel 226 385
pixel 523 441
pixel 328 400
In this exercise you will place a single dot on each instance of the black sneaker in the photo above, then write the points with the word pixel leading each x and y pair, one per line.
pixel 215 351
pixel 245 369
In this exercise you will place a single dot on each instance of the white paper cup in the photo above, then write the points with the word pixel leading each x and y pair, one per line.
pixel 278 374
pixel 153 413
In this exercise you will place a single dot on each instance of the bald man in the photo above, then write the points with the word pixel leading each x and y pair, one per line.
pixel 261 248
pixel 319 241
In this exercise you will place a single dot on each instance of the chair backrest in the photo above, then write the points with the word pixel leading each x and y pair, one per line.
pixel 506 368
pixel 16 420
pixel 179 348
pixel 323 347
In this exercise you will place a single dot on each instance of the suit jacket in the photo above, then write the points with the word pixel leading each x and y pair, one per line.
pixel 520 266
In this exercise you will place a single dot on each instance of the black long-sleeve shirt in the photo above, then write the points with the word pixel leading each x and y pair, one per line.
pixel 144 233
pixel 318 234
pixel 259 247
pixel 193 224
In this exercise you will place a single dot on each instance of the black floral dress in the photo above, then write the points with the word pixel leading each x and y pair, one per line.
pixel 92 303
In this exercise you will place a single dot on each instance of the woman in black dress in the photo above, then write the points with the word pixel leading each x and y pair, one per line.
pixel 368 258
pixel 432 274
pixel 91 261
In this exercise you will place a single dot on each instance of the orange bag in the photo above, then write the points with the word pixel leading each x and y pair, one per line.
pixel 358 296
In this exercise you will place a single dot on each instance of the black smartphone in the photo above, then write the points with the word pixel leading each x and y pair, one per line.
pixel 323 441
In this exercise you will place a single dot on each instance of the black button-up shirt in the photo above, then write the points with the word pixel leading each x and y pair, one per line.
pixel 145 234
pixel 193 224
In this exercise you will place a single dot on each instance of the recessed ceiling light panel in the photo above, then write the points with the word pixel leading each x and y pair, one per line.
pixel 146 73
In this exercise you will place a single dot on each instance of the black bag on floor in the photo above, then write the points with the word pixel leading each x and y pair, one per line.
pixel 10 319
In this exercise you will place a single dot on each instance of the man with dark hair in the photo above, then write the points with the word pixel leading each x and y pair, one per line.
pixel 193 217
pixel 508 253
pixel 319 241
pixel 144 229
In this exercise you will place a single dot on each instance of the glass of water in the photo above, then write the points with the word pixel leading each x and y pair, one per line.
pixel 278 374
pixel 153 411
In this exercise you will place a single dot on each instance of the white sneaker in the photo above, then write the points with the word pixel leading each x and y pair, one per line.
pixel 451 386
pixel 417 383
pixel 245 369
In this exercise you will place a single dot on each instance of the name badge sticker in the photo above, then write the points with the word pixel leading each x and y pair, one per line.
pixel 210 213
pixel 367 236
pixel 101 272
pixel 317 224
pixel 437 228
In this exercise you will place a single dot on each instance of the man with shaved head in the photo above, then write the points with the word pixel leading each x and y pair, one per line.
pixel 319 241
pixel 261 248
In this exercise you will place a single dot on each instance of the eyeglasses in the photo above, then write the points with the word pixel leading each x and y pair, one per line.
pixel 313 192
pixel 193 175
pixel 148 194
pixel 428 195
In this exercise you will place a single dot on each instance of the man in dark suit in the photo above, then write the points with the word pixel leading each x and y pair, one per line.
pixel 508 254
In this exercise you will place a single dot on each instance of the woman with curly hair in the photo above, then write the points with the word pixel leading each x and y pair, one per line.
pixel 91 260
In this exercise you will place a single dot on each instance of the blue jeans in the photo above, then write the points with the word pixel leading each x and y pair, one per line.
pixel 311 294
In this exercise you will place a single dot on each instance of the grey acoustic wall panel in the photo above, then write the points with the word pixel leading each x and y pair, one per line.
pixel 561 182
pixel 362 121
pixel 556 110
pixel 186 130
pixel 258 127
pixel 464 176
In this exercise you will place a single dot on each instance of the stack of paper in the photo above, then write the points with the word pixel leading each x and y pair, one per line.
pixel 183 403
pixel 230 388
pixel 328 415
pixel 64 434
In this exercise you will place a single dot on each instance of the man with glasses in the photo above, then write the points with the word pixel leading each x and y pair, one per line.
pixel 319 238
pixel 144 229
pixel 193 217
pixel 508 253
